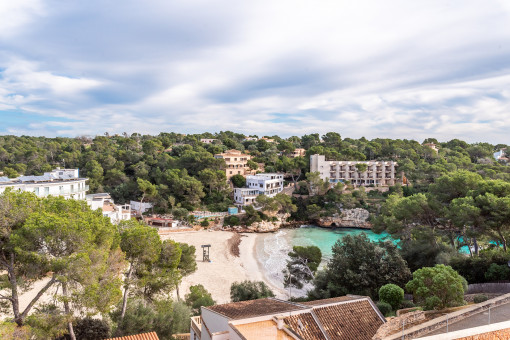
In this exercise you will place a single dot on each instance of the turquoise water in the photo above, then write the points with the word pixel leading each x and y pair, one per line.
pixel 272 249
pixel 325 238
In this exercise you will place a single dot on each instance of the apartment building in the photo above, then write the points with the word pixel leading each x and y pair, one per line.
pixel 104 201
pixel 59 182
pixel 378 173
pixel 345 317
pixel 268 184
pixel 299 152
pixel 236 163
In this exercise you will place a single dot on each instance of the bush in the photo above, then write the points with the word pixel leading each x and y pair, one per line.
pixel 91 329
pixel 392 294
pixel 249 290
pixel 480 298
pixel 437 287
pixel 204 223
pixel 198 297
pixel 497 272
pixel 231 221
pixel 407 304
pixel 384 308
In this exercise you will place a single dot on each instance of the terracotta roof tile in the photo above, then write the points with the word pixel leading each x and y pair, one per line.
pixel 305 326
pixel 251 308
pixel 143 336
pixel 332 300
pixel 356 320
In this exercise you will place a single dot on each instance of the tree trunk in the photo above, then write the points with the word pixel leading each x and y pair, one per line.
pixel 503 239
pixel 67 309
pixel 177 291
pixel 475 243
pixel 126 289
pixel 14 290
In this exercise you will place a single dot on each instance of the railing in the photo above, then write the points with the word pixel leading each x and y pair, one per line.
pixel 196 325
pixel 73 191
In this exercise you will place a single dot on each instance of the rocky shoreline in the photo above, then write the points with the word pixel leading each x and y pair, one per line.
pixel 349 218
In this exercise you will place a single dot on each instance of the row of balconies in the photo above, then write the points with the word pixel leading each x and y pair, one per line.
pixel 73 191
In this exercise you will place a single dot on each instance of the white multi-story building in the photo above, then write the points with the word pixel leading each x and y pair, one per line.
pixel 378 173
pixel 59 182
pixel 103 201
pixel 268 184
pixel 207 140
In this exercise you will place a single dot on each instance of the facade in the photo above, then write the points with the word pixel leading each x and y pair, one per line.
pixel 208 140
pixel 268 184
pixel 432 146
pixel 59 182
pixel 103 201
pixel 139 208
pixel 236 163
pixel 378 173
pixel 346 317
pixel 299 152
pixel 501 155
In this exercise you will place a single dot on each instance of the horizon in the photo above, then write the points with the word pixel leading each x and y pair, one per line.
pixel 395 70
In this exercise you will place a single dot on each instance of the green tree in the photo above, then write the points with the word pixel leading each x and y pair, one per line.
pixel 80 248
pixel 359 266
pixel 238 180
pixel 249 290
pixel 198 296
pixel 142 247
pixel 316 186
pixel 187 264
pixel 437 287
pixel 302 266
pixel 392 294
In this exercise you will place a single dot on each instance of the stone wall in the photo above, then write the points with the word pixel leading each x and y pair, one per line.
pixel 395 324
pixel 437 323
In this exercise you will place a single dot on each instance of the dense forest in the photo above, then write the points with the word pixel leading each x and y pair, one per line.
pixel 178 171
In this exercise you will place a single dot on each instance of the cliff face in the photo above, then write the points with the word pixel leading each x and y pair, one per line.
pixel 349 218
pixel 268 226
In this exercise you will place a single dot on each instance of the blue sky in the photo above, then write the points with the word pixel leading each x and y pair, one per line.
pixel 398 69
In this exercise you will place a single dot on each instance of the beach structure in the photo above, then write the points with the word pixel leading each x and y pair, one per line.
pixel 377 173
pixel 160 221
pixel 205 252
pixel 236 163
pixel 115 212
pixel 268 184
pixel 59 182
pixel 346 317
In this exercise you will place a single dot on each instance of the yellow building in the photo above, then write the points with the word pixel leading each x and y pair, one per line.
pixel 236 163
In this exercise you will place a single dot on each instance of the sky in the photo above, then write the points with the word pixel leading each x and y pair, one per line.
pixel 395 69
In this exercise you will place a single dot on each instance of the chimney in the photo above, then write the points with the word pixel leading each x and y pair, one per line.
pixel 279 321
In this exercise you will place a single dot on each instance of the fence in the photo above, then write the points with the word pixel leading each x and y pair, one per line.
pixel 490 287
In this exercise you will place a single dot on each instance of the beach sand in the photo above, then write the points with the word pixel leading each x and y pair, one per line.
pixel 224 269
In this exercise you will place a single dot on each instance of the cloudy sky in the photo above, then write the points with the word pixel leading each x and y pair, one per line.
pixel 400 69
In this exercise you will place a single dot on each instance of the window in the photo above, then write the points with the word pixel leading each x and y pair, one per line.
pixel 46 191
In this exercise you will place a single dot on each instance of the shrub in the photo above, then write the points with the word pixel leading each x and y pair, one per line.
pixel 392 294
pixel 497 272
pixel 91 329
pixel 249 290
pixel 480 298
pixel 384 308
pixel 437 287
pixel 407 304
pixel 204 223
pixel 231 221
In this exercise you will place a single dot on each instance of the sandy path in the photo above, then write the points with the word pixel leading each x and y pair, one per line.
pixel 218 275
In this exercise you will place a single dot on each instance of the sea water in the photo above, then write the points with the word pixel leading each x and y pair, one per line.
pixel 272 249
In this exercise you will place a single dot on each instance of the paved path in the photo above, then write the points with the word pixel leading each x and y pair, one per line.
pixel 498 314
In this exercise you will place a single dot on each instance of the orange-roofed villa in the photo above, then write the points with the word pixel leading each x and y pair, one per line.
pixel 346 317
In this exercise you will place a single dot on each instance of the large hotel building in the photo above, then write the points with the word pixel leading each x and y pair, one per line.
pixel 378 173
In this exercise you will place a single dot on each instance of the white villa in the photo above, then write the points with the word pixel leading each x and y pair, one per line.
pixel 268 184
pixel 59 182
pixel 103 201
pixel 378 173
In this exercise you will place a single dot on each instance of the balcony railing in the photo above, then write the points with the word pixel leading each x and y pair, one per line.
pixel 196 325
pixel 73 191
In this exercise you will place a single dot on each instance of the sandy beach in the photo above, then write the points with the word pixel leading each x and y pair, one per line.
pixel 224 269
